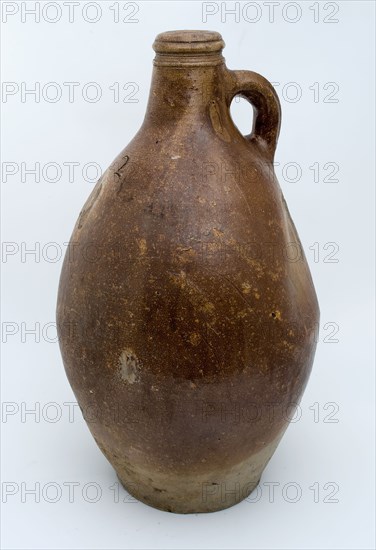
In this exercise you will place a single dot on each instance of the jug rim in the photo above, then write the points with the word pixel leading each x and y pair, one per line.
pixel 188 41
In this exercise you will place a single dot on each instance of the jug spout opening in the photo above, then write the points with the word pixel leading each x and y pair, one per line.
pixel 188 47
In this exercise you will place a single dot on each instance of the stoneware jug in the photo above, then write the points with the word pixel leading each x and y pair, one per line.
pixel 186 310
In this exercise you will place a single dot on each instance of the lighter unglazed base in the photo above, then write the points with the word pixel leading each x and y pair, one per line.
pixel 193 494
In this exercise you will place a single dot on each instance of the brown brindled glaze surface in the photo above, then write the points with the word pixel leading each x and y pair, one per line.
pixel 186 311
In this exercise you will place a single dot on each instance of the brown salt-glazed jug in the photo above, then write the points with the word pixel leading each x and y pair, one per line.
pixel 186 310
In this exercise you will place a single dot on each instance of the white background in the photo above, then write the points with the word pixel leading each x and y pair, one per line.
pixel 332 441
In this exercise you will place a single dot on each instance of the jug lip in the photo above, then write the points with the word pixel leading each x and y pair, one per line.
pixel 188 41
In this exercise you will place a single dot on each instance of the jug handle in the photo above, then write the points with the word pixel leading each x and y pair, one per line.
pixel 266 107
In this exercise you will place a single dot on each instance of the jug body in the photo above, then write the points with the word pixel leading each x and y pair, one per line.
pixel 187 314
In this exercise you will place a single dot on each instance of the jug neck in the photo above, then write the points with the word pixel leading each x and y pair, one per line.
pixel 187 74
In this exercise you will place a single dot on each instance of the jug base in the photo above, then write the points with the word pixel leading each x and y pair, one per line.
pixel 221 496
pixel 196 491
